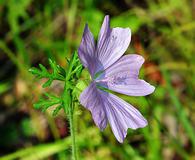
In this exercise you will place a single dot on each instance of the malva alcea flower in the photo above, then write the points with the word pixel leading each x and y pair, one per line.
pixel 112 71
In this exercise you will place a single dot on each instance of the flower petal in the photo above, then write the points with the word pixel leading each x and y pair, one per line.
pixel 86 50
pixel 122 77
pixel 112 43
pixel 122 116
pixel 129 64
pixel 106 107
pixel 91 99
pixel 104 31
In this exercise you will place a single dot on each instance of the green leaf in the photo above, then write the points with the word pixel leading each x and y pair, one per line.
pixel 57 74
pixel 51 96
pixel 79 71
pixel 43 69
pixel 56 110
pixel 61 71
pixel 68 61
pixel 37 105
pixel 48 83
pixel 34 70
pixel 48 101
pixel 53 66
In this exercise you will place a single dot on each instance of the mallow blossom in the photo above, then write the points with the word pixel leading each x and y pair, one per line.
pixel 110 70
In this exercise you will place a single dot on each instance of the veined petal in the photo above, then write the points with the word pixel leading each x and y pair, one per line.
pixel 86 50
pixel 91 99
pixel 130 86
pixel 130 64
pixel 110 70
pixel 112 43
pixel 122 116
pixel 122 77
pixel 108 107
pixel 105 29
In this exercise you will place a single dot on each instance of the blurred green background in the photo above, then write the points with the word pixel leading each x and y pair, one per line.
pixel 163 31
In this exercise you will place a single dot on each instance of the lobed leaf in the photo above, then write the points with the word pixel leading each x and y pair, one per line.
pixel 48 83
pixel 56 110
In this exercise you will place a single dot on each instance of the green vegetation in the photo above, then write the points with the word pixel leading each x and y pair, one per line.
pixel 33 31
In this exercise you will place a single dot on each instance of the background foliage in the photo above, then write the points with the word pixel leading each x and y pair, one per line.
pixel 163 31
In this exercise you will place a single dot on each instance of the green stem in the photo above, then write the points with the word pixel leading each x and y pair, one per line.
pixel 68 102
pixel 72 132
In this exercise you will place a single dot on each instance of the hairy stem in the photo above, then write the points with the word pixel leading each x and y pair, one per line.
pixel 72 132
pixel 68 101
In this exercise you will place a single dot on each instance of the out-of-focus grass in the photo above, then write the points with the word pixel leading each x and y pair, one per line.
pixel 163 32
pixel 45 150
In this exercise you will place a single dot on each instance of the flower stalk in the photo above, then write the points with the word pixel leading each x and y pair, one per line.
pixel 72 132
pixel 66 101
pixel 68 98
pixel 69 104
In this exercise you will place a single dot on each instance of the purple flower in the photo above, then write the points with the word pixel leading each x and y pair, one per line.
pixel 110 70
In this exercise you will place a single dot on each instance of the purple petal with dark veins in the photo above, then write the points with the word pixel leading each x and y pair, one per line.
pixel 122 77
pixel 108 107
pixel 112 43
pixel 91 99
pixel 108 69
pixel 86 51
pixel 122 116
